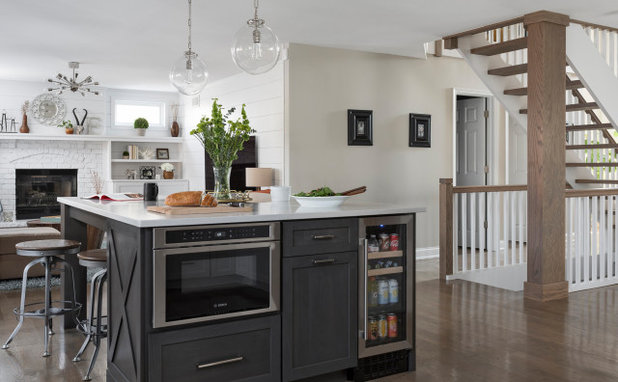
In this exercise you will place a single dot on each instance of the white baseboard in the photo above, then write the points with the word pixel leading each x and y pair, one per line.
pixel 427 253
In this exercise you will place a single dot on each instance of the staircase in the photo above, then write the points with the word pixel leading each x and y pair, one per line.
pixel 498 55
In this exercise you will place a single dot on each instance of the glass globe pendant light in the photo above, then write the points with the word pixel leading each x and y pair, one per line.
pixel 256 47
pixel 188 74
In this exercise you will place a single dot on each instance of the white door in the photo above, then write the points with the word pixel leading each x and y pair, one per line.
pixel 471 161
pixel 471 138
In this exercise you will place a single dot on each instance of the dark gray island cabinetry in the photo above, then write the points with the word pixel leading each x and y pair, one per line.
pixel 272 295
pixel 319 297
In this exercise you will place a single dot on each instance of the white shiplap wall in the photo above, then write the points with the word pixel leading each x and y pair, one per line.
pixel 263 96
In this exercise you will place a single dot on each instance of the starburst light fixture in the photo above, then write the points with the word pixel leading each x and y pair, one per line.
pixel 62 82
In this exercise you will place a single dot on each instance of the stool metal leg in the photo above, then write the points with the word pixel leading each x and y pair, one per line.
pixel 47 263
pixel 22 301
pixel 97 336
pixel 93 286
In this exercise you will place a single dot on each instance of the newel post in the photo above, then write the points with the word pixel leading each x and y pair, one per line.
pixel 546 153
pixel 446 227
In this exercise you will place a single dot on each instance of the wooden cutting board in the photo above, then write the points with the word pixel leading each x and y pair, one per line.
pixel 167 210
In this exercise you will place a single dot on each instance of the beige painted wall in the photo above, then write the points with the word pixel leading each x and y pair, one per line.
pixel 322 83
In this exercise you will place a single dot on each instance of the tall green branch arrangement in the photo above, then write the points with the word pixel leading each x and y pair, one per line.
pixel 221 136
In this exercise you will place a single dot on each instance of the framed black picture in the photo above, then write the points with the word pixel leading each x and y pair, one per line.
pixel 420 130
pixel 163 154
pixel 147 172
pixel 360 128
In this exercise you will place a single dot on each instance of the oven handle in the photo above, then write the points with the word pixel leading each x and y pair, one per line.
pixel 218 363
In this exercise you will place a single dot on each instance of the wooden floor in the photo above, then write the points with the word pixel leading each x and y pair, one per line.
pixel 465 332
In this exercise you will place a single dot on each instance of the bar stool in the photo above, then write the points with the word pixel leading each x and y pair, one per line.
pixel 93 327
pixel 46 253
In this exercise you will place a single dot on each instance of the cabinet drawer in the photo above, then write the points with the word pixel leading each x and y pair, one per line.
pixel 308 237
pixel 247 350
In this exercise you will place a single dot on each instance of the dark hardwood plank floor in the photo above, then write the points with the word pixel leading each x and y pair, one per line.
pixel 465 332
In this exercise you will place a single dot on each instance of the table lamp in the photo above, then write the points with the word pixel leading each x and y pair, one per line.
pixel 258 177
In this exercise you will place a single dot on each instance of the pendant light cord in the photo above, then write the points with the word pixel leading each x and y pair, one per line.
pixel 256 4
pixel 189 25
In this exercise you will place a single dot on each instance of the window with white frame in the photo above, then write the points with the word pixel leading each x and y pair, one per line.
pixel 127 111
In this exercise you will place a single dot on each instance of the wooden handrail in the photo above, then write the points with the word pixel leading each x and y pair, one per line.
pixel 586 24
pixel 505 188
pixel 486 28
pixel 591 192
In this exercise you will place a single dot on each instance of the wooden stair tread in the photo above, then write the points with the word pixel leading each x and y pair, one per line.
pixel 601 126
pixel 593 164
pixel 571 85
pixel 509 70
pixel 597 146
pixel 573 107
pixel 503 47
pixel 597 181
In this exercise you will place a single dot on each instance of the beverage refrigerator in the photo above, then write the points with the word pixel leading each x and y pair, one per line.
pixel 386 303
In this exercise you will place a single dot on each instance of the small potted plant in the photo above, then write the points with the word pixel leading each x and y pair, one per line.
pixel 125 155
pixel 168 170
pixel 140 125
pixel 68 126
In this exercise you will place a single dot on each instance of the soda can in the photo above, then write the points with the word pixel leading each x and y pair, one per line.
pixel 391 319
pixel 383 292
pixel 373 329
pixel 394 242
pixel 384 242
pixel 382 327
pixel 393 291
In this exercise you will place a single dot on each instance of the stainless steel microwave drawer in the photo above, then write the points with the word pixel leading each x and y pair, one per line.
pixel 310 237
pixel 247 350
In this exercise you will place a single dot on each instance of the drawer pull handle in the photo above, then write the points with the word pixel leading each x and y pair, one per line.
pixel 323 237
pixel 323 261
pixel 218 363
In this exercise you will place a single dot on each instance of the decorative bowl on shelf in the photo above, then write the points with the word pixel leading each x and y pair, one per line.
pixel 320 201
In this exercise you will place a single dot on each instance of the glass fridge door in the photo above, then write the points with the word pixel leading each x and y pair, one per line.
pixel 386 297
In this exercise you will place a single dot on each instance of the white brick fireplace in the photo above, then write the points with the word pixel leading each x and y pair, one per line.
pixel 44 154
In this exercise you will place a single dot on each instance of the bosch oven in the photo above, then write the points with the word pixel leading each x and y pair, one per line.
pixel 209 273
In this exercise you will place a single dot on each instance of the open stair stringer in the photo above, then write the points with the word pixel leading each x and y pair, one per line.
pixel 497 84
pixel 593 71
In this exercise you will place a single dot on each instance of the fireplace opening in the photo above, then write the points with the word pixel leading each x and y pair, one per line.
pixel 37 190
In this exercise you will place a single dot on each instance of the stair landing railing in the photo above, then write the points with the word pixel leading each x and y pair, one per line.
pixel 483 227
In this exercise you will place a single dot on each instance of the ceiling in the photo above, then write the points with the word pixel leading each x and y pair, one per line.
pixel 131 44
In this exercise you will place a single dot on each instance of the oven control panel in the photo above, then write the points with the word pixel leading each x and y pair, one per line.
pixel 214 234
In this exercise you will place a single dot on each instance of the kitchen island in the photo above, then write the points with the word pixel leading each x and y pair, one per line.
pixel 299 274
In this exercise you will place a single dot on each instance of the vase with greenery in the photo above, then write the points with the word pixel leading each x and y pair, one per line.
pixel 140 125
pixel 222 138
pixel 67 126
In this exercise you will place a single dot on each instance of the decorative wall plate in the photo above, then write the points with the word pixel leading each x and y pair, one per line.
pixel 48 109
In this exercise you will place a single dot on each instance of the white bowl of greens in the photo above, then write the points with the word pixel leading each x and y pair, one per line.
pixel 322 197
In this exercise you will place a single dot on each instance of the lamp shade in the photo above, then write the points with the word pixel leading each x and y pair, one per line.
pixel 258 177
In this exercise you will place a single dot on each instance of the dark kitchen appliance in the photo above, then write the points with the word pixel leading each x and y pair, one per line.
pixel 247 158
pixel 151 191
pixel 391 350
pixel 209 273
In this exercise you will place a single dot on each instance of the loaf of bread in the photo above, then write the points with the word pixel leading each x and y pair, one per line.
pixel 184 199
pixel 209 201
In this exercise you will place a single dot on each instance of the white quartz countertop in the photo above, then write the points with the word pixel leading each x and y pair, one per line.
pixel 135 213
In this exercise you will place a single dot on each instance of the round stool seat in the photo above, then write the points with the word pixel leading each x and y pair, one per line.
pixel 93 258
pixel 50 247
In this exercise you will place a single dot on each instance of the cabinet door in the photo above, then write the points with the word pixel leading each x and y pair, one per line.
pixel 319 312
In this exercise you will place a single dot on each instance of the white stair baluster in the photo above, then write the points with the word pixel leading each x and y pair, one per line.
pixel 464 232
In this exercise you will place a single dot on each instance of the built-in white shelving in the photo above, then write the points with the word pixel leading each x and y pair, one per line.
pixel 146 161
pixel 89 138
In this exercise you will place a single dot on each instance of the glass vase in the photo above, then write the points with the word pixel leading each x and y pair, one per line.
pixel 222 182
